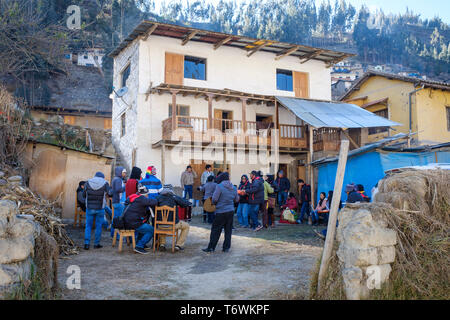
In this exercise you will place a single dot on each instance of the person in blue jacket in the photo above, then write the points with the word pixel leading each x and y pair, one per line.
pixel 255 193
pixel 151 182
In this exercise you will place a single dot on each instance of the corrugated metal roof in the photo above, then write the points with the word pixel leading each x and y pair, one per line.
pixel 363 149
pixel 331 114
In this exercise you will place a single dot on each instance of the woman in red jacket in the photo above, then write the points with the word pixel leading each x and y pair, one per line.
pixel 132 183
pixel 291 202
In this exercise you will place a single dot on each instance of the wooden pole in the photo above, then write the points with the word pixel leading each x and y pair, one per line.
pixel 277 116
pixel 163 163
pixel 310 167
pixel 210 118
pixel 244 118
pixel 174 110
pixel 331 229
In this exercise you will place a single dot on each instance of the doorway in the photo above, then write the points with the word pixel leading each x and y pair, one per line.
pixel 223 119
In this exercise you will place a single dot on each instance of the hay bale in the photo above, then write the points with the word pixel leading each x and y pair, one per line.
pixel 422 222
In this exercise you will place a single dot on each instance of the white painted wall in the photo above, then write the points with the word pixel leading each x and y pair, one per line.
pixel 88 58
pixel 230 68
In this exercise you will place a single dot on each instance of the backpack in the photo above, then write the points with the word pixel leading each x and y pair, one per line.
pixel 119 222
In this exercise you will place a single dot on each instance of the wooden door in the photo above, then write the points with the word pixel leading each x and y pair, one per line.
pixel 198 167
pixel 301 84
pixel 218 119
pixel 301 172
pixel 174 72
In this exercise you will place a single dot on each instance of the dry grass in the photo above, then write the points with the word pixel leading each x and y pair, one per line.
pixel 422 223
pixel 416 205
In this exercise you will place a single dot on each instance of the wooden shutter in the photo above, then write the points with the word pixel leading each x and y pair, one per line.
pixel 174 72
pixel 301 84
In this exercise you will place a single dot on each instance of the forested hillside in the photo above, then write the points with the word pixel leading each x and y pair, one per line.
pixel 423 45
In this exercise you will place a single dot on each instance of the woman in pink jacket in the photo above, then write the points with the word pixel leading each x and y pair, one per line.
pixel 321 207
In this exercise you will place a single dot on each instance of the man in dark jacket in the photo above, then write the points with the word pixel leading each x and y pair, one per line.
pixel 136 217
pixel 283 186
pixel 224 197
pixel 304 199
pixel 255 192
pixel 352 194
pixel 168 198
pixel 95 191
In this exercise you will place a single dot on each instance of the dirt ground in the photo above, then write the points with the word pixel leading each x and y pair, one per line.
pixel 268 264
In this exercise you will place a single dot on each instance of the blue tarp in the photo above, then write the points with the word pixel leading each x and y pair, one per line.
pixel 368 168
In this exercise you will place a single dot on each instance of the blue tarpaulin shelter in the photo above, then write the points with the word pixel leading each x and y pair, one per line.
pixel 367 165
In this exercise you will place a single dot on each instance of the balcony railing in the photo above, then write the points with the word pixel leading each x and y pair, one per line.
pixel 257 133
pixel 326 139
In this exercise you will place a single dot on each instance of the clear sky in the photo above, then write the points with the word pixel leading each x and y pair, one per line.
pixel 426 8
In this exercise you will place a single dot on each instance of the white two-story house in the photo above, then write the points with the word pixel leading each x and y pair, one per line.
pixel 219 83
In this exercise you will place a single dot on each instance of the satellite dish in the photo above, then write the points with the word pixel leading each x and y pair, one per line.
pixel 121 92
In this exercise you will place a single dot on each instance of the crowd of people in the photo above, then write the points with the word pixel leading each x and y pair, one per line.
pixel 134 200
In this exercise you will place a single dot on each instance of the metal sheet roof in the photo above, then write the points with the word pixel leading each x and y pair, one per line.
pixel 331 114
pixel 278 48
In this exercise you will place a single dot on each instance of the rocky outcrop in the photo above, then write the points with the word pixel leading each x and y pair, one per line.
pixel 18 235
pixel 366 248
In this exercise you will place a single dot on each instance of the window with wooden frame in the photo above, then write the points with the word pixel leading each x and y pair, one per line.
pixel 183 112
pixel 194 68
pixel 122 124
pixel 284 80
pixel 124 76
pixel 448 118
pixel 381 113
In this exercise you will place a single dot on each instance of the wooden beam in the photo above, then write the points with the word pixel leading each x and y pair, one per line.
pixel 189 37
pixel 329 240
pixel 350 139
pixel 309 56
pixel 286 52
pixel 174 110
pixel 163 163
pixel 277 116
pixel 150 31
pixel 210 112
pixel 311 168
pixel 222 42
pixel 257 48
pixel 244 119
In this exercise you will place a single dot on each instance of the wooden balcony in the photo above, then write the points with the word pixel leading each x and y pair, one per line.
pixel 326 139
pixel 257 133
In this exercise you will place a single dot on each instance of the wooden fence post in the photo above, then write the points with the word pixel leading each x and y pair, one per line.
pixel 331 229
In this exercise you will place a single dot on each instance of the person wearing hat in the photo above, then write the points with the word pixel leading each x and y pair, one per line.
pixel 224 197
pixel 352 194
pixel 168 198
pixel 95 191
pixel 151 182
pixel 136 217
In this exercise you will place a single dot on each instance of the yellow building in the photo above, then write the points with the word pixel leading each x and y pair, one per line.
pixel 421 106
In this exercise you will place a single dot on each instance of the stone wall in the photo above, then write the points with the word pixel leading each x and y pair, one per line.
pixel 366 248
pixel 127 104
pixel 18 236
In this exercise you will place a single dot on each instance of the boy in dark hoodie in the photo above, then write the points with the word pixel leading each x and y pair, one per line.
pixel 224 197
pixel 242 209
pixel 117 189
